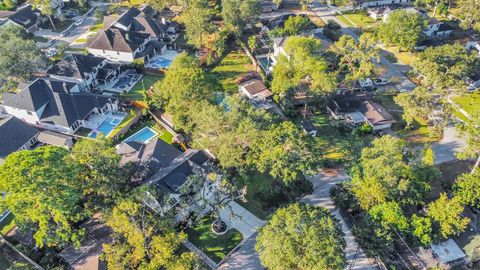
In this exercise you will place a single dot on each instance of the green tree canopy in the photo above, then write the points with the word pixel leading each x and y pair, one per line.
pixel 422 229
pixel 446 213
pixel 301 237
pixel 185 84
pixel 197 19
pixel 357 56
pixel 44 191
pixel 387 171
pixel 237 14
pixel 403 29
pixel 467 188
pixel 142 240
pixel 445 66
pixel 303 64
pixel 471 131
pixel 294 25
pixel 389 215
pixel 469 11
pixel 19 57
pixel 104 179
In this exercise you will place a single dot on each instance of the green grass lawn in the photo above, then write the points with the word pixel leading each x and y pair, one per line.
pixel 136 93
pixel 214 246
pixel 394 55
pixel 336 144
pixel 360 20
pixel 234 65
pixel 469 103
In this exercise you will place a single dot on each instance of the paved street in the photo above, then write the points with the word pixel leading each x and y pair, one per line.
pixel 356 258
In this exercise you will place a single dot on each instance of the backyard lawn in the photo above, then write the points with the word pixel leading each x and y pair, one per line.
pixel 470 103
pixel 136 93
pixel 360 20
pixel 394 55
pixel 234 65
pixel 214 246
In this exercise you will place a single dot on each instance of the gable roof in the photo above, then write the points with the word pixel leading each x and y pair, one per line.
pixel 375 113
pixel 114 39
pixel 126 18
pixel 24 16
pixel 253 86
pixel 62 108
pixel 75 66
pixel 14 133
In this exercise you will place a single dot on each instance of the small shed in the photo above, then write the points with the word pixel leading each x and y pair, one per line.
pixel 450 253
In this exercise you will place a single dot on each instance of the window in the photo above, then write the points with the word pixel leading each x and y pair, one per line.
pixel 29 113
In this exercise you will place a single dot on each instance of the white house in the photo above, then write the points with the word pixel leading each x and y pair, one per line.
pixel 56 105
pixel 278 48
pixel 369 3
pixel 89 72
pixel 136 34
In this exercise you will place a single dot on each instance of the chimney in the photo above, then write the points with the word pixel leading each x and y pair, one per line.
pixel 164 22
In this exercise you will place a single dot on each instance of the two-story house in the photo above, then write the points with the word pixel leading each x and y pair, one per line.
pixel 56 105
pixel 25 16
pixel 15 135
pixel 88 72
pixel 136 34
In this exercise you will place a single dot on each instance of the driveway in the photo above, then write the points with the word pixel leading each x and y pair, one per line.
pixel 322 183
pixel 241 219
pixel 244 258
pixel 446 149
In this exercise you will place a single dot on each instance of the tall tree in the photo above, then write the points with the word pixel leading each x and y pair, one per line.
pixel 402 29
pixel 356 56
pixel 467 188
pixel 43 190
pixel 301 237
pixel 185 84
pixel 159 5
pixel 46 9
pixel 445 67
pixel 197 19
pixel 104 179
pixel 237 14
pixel 390 216
pixel 469 11
pixel 471 131
pixel 142 240
pixel 388 172
pixel 447 213
pixel 19 57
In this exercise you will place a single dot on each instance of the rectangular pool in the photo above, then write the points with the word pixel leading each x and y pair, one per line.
pixel 143 136
pixel 160 62
pixel 105 127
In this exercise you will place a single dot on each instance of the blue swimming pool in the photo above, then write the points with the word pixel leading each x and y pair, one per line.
pixel 160 63
pixel 105 127
pixel 264 62
pixel 144 135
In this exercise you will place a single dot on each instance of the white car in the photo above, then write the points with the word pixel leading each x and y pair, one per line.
pixel 366 83
pixel 78 22
pixel 381 81
pixel 50 52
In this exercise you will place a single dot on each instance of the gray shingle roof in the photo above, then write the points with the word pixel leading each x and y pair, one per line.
pixel 14 133
pixel 62 107
pixel 75 66
pixel 113 39
pixel 25 16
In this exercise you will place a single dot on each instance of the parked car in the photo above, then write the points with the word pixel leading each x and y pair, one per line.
pixel 51 52
pixel 78 22
pixel 366 83
pixel 71 13
pixel 380 81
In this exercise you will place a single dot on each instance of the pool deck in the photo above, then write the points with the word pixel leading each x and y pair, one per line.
pixel 167 55
pixel 95 120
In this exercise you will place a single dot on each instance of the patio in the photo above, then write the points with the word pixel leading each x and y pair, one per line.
pixel 103 123
pixel 123 83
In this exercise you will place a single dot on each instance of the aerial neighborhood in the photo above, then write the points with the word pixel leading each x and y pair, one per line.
pixel 240 134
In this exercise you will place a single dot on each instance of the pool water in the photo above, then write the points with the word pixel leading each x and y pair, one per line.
pixel 105 127
pixel 160 63
pixel 143 136
pixel 264 62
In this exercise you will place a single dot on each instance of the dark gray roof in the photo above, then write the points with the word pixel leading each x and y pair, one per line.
pixel 62 108
pixel 126 18
pixel 25 16
pixel 200 157
pixel 14 133
pixel 75 66
pixel 113 39
pixel 156 153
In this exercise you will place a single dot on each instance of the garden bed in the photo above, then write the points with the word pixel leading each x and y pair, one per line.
pixel 214 246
